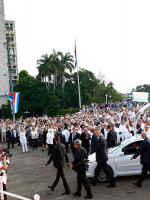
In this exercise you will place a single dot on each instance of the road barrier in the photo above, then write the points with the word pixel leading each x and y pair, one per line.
pixel 36 196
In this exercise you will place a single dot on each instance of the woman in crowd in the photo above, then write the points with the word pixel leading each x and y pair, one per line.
pixel 50 141
pixel 44 137
pixel 34 136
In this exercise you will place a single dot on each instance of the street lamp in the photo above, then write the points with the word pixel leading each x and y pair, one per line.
pixel 10 52
pixel 106 97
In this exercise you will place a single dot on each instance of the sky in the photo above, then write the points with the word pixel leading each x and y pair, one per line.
pixel 112 36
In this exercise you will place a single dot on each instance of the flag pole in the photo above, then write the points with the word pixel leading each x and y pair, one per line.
pixel 76 64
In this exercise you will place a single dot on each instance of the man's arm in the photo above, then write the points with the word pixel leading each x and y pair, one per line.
pixel 140 150
pixel 4 167
pixel 52 156
pixel 98 146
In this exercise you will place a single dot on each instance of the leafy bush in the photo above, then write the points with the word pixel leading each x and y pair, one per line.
pixel 69 110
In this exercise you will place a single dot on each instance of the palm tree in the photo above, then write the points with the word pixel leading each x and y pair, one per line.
pixel 55 62
pixel 44 67
pixel 66 63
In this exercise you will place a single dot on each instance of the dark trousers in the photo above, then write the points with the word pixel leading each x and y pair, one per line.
pixel 4 189
pixel 106 169
pixel 145 169
pixel 10 141
pixel 50 147
pixel 67 144
pixel 60 173
pixel 81 180
pixel 34 143
pixel 30 141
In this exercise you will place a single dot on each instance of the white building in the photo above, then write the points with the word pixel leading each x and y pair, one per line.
pixel 11 37
pixel 4 75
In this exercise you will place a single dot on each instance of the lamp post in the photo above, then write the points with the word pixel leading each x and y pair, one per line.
pixel 106 98
pixel 9 52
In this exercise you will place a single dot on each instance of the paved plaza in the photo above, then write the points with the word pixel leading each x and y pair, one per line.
pixel 27 175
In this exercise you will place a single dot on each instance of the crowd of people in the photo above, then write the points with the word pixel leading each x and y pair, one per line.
pixel 112 123
pixel 114 120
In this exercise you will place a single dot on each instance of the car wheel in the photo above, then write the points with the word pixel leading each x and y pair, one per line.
pixel 102 178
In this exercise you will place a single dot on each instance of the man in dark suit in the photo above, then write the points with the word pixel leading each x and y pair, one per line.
pixel 59 156
pixel 144 152
pixel 85 138
pixel 111 136
pixel 78 164
pixel 62 137
pixel 101 159
pixel 93 141
pixel 73 136
pixel 13 136
pixel 8 137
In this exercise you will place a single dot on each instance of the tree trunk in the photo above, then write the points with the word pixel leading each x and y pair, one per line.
pixel 62 80
pixel 54 81
pixel 48 79
pixel 56 78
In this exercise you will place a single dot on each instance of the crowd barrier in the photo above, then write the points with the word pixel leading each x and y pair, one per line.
pixel 36 196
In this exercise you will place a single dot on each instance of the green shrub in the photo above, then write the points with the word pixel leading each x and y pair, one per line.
pixel 68 111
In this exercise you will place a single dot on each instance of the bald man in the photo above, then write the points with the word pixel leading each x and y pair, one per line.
pixel 144 152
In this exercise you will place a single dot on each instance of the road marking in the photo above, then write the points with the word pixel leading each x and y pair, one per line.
pixel 60 198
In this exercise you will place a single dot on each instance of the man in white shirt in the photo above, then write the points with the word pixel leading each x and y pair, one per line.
pixel 66 133
pixel 3 132
pixel 126 132
pixel 147 131
pixel 121 128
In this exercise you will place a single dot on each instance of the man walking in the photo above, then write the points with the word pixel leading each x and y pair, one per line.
pixel 144 152
pixel 80 154
pixel 111 137
pixel 59 156
pixel 101 159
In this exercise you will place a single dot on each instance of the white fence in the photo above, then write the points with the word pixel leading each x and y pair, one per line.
pixel 36 196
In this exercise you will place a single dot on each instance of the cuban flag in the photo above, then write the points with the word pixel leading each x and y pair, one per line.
pixel 75 55
pixel 14 101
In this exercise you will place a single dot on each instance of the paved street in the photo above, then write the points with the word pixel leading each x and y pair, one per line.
pixel 28 175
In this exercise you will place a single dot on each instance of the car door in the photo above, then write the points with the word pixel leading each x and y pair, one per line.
pixel 123 161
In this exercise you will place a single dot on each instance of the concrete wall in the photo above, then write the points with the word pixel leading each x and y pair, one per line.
pixel 4 76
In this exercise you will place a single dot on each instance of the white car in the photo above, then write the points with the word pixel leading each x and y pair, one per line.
pixel 119 160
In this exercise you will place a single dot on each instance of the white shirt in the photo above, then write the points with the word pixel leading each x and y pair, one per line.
pixel 66 134
pixel 34 134
pixel 4 177
pixel 23 136
pixel 126 134
pixel 49 138
pixel 118 135
pixel 3 129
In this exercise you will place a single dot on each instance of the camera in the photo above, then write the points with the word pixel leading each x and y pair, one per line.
pixel 7 153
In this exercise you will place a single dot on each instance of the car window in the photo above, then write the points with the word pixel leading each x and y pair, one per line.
pixel 131 148
pixel 116 147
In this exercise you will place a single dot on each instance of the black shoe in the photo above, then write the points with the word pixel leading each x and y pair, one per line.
pixel 51 187
pixel 64 193
pixel 76 194
pixel 88 197
pixel 137 184
pixel 42 150
pixel 111 185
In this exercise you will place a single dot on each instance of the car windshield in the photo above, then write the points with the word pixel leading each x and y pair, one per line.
pixel 117 146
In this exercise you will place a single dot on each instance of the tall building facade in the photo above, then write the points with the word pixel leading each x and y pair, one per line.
pixel 4 75
pixel 11 38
